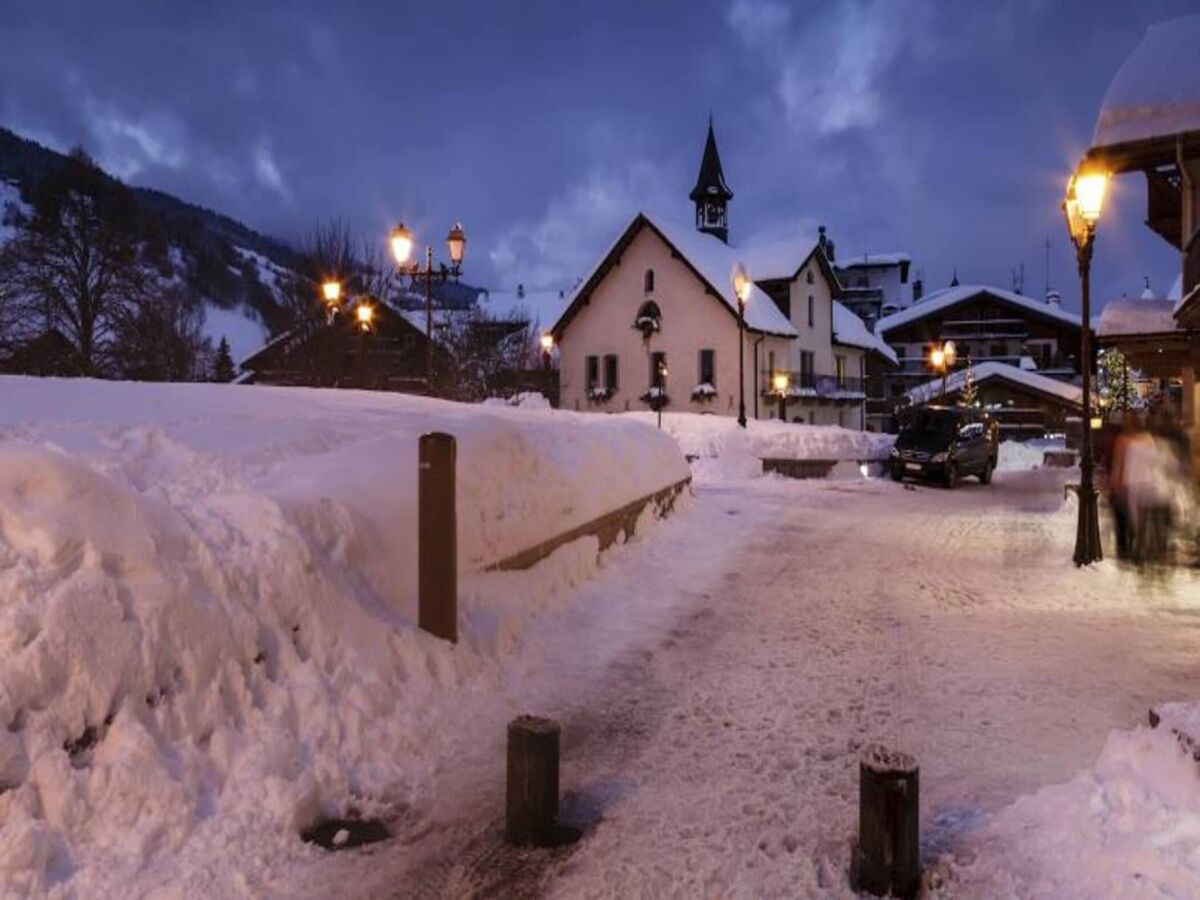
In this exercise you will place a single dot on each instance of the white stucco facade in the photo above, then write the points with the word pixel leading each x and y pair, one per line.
pixel 698 337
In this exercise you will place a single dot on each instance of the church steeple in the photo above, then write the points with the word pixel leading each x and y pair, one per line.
pixel 711 193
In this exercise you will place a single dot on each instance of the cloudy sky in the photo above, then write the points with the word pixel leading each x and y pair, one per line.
pixel 943 129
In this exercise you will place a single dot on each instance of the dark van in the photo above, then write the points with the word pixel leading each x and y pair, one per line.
pixel 946 443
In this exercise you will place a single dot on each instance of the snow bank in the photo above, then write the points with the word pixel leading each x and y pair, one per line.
pixel 725 451
pixel 1127 827
pixel 1015 456
pixel 207 599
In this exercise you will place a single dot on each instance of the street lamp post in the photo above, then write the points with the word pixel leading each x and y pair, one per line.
pixel 547 342
pixel 780 382
pixel 741 287
pixel 364 316
pixel 1082 206
pixel 402 242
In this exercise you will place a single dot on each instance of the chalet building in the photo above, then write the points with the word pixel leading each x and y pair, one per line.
pixel 875 285
pixel 657 321
pixel 1025 404
pixel 337 353
pixel 1149 124
pixel 987 325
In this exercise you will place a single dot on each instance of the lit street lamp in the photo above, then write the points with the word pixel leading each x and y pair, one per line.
pixel 1082 206
pixel 742 286
pixel 942 359
pixel 364 315
pixel 547 342
pixel 332 291
pixel 781 382
pixel 401 240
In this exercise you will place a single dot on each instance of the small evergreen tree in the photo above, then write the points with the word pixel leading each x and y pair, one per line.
pixel 970 390
pixel 223 369
pixel 1115 382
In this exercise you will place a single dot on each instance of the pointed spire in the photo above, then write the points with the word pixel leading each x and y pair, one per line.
pixel 711 193
pixel 954 280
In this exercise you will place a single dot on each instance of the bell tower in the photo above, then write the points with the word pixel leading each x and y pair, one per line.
pixel 711 193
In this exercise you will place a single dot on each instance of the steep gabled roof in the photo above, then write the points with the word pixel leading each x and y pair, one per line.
pixel 850 330
pixel 707 257
pixel 777 262
pixel 1062 391
pixel 711 180
pixel 940 301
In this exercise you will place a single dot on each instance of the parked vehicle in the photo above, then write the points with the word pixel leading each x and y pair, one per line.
pixel 946 443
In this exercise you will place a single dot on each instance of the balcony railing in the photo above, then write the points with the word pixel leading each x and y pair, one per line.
pixel 815 384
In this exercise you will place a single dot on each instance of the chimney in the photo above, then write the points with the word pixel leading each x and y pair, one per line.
pixel 918 289
pixel 1053 298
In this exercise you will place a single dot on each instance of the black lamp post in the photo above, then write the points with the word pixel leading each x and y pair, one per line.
pixel 402 243
pixel 741 288
pixel 1082 206
pixel 660 384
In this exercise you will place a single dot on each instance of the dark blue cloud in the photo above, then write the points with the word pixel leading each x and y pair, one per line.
pixel 943 129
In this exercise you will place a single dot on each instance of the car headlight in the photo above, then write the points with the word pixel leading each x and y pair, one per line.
pixel 940 457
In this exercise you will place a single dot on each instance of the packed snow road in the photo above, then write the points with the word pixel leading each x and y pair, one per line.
pixel 717 679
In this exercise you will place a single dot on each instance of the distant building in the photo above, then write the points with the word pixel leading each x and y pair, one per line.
pixel 877 285
pixel 987 325
pixel 657 321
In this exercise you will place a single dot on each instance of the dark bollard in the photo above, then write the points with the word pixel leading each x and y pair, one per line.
pixel 437 533
pixel 531 802
pixel 888 858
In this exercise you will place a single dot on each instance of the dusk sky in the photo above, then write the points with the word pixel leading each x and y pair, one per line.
pixel 944 130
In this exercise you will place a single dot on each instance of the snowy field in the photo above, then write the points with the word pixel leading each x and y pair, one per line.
pixel 206 634
pixel 206 641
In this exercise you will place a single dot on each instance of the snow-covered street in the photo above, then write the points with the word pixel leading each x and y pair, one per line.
pixel 716 680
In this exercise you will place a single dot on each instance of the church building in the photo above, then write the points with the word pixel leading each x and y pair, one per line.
pixel 657 322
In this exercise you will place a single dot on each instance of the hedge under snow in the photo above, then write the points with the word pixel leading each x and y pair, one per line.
pixel 207 603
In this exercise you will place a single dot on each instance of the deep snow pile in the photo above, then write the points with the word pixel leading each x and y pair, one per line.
pixel 207 598
pixel 724 450
pixel 1021 456
pixel 1127 827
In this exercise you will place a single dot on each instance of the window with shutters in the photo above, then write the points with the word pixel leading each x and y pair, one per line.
pixel 610 372
pixel 593 372
pixel 708 367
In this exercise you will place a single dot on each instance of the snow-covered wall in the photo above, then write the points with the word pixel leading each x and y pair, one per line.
pixel 207 605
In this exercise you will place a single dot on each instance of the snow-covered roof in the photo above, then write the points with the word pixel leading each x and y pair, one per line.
pixel 873 259
pixel 768 260
pixel 849 329
pixel 715 261
pixel 1071 393
pixel 1156 92
pixel 1127 317
pixel 948 297
pixel 712 259
pixel 539 308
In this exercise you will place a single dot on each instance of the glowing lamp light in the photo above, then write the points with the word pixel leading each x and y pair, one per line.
pixel 332 291
pixel 780 382
pixel 456 241
pixel 401 241
pixel 937 358
pixel 741 283
pixel 1085 202
pixel 949 353
pixel 547 342
pixel 365 314
pixel 1097 423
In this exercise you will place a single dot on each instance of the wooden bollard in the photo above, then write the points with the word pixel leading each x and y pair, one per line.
pixel 437 537
pixel 888 858
pixel 531 801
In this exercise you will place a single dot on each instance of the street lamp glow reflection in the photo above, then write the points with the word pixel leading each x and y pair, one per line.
pixel 949 353
pixel 402 242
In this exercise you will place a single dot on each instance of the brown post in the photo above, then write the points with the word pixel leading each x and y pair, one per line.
pixel 531 796
pixel 888 857
pixel 437 531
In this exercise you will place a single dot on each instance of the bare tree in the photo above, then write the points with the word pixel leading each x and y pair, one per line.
pixel 163 340
pixel 75 263
pixel 482 351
